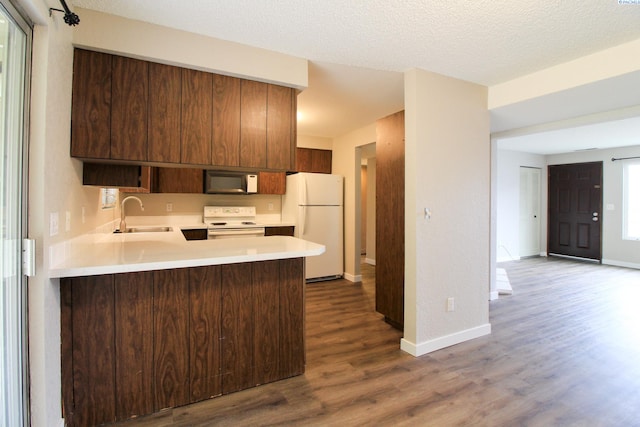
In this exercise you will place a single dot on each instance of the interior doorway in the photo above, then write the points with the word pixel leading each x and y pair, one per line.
pixel 530 179
pixel 367 173
pixel 575 207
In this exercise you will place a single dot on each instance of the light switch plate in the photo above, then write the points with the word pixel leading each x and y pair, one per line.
pixel 53 223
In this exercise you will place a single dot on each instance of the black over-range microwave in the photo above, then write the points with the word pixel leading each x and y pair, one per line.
pixel 225 182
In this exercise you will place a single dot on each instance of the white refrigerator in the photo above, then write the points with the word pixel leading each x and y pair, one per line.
pixel 313 203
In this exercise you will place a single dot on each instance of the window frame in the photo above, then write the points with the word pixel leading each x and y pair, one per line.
pixel 626 193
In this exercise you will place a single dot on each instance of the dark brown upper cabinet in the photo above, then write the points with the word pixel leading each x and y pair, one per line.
pixel 91 105
pixel 127 110
pixel 253 124
pixel 165 97
pixel 197 111
pixel 279 117
pixel 226 121
pixel 313 160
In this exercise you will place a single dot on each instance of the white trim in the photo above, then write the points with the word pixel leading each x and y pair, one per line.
pixel 543 254
pixel 445 341
pixel 370 261
pixel 621 263
pixel 493 295
pixel 352 278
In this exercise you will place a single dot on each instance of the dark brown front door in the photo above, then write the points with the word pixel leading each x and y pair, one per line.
pixel 575 209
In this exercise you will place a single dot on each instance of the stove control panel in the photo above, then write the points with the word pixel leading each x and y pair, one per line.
pixel 229 211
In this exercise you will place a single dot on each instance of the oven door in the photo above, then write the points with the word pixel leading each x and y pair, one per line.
pixel 231 233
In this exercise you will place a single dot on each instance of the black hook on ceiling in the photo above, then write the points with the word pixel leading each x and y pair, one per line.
pixel 70 18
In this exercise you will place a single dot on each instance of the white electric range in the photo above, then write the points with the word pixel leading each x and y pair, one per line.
pixel 224 222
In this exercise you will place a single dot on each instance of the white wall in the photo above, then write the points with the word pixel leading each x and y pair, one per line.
pixel 447 161
pixel 346 162
pixel 508 202
pixel 615 250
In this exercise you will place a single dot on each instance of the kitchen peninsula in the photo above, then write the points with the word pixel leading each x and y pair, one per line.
pixel 151 320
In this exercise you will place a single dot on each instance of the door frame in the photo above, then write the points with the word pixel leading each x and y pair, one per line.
pixel 600 210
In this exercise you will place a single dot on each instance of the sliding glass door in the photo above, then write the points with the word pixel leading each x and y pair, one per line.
pixel 15 45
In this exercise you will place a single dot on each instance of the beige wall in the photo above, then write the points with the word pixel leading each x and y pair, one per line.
pixel 610 63
pixel 306 141
pixel 346 162
pixel 447 160
pixel 115 34
pixel 193 204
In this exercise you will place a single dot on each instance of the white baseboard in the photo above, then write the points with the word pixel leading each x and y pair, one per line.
pixel 445 341
pixel 621 263
pixel 543 254
pixel 353 278
pixel 370 261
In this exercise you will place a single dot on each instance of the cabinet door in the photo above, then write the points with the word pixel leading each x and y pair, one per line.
pixel 266 320
pixel 88 342
pixel 91 105
pixel 292 356
pixel 237 328
pixel 279 119
pixel 226 121
pixel 195 234
pixel 197 112
pixel 321 161
pixel 165 92
pixel 178 180
pixel 133 344
pixel 253 130
pixel 279 231
pixel 129 108
pixel 171 338
pixel 272 182
pixel 303 159
pixel 204 332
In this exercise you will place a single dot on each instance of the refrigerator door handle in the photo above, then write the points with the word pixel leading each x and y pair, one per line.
pixel 303 196
pixel 302 221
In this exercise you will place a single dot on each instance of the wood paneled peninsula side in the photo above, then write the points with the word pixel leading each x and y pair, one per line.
pixel 150 322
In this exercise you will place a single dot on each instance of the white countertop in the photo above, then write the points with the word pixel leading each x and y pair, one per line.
pixel 107 253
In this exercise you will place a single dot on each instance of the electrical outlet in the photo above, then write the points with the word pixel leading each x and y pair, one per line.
pixel 53 223
pixel 67 221
pixel 83 216
pixel 270 206
pixel 169 207
pixel 451 305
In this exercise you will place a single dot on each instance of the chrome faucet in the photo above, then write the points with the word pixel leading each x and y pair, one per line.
pixel 123 224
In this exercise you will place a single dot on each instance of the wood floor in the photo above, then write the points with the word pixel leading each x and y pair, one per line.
pixel 564 351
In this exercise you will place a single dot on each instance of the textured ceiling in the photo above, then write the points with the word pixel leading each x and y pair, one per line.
pixel 483 41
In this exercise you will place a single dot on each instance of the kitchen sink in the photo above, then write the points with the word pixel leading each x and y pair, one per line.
pixel 146 230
